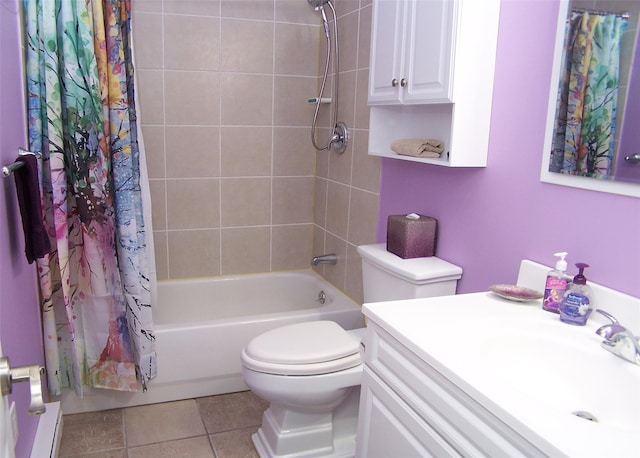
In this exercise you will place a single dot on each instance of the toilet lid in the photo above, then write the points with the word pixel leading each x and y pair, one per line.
pixel 311 342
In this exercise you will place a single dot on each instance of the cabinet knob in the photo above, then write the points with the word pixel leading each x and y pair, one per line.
pixel 403 82
pixel 394 82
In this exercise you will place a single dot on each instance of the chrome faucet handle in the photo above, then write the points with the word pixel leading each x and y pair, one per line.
pixel 624 345
pixel 609 330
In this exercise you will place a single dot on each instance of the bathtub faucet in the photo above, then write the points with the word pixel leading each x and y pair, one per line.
pixel 324 259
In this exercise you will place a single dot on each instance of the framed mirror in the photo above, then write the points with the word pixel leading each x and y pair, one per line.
pixel 599 171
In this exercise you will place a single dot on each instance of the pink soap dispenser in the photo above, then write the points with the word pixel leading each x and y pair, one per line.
pixel 576 304
pixel 556 284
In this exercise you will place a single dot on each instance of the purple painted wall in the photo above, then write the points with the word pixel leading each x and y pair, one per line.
pixel 19 317
pixel 492 218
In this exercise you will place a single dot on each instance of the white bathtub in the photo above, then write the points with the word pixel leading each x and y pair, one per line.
pixel 202 324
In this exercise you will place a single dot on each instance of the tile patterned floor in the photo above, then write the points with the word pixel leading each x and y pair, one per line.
pixel 211 427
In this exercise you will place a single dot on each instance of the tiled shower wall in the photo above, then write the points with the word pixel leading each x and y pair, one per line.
pixel 236 186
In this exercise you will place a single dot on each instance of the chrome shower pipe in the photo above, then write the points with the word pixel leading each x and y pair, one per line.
pixel 339 136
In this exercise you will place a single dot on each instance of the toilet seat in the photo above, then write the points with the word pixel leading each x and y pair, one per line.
pixel 308 348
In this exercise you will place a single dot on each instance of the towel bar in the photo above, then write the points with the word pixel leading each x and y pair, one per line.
pixel 9 169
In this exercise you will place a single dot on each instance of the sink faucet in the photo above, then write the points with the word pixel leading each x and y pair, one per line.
pixel 619 340
pixel 324 259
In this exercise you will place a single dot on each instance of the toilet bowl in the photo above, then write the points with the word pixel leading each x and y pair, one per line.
pixel 312 385
pixel 310 372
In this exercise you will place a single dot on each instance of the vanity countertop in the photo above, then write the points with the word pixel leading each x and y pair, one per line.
pixel 526 367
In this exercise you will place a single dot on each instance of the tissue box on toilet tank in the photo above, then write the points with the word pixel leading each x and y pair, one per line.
pixel 412 236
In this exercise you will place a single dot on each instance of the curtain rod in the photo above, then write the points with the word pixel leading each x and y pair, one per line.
pixel 623 14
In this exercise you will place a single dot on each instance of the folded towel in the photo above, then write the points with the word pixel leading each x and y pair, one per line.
pixel 36 239
pixel 418 147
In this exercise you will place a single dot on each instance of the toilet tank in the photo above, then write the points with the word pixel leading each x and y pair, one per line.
pixel 387 277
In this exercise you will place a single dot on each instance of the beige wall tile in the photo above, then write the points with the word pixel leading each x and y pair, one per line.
pixel 340 164
pixel 245 250
pixel 296 50
pixel 148 37
pixel 291 246
pixel 353 284
pixel 290 100
pixel 364 36
pixel 246 151
pixel 193 203
pixel 191 98
pixel 361 109
pixel 320 202
pixel 347 99
pixel 192 7
pixel 346 6
pixel 246 46
pixel 248 9
pixel 154 150
pixel 336 274
pixel 149 6
pixel 293 153
pixel 184 30
pixel 246 99
pixel 160 249
pixel 366 168
pixel 337 209
pixel 193 151
pixel 296 12
pixel 246 201
pixel 151 93
pixel 292 200
pixel 322 163
pixel 363 217
pixel 348 33
pixel 158 190
pixel 194 253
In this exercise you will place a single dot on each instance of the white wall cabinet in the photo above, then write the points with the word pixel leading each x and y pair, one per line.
pixel 431 76
pixel 411 51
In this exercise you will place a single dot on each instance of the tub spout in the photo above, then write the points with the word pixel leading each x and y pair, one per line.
pixel 324 259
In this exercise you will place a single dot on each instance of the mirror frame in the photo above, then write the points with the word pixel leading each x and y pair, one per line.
pixel 613 187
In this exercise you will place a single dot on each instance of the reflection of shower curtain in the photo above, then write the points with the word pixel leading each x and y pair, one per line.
pixel 584 136
pixel 95 285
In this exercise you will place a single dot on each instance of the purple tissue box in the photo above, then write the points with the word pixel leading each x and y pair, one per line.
pixel 412 238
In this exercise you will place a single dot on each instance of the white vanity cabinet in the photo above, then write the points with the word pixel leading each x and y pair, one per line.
pixel 409 409
pixel 411 51
pixel 431 76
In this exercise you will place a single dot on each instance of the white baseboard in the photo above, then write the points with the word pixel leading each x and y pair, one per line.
pixel 49 432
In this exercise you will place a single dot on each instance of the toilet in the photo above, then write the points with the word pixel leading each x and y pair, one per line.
pixel 310 372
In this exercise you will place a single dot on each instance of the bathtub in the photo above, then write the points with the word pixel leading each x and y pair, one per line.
pixel 202 324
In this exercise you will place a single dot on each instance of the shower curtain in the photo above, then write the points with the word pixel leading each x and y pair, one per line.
pixel 584 136
pixel 95 285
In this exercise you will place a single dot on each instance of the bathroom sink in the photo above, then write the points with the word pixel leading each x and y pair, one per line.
pixel 549 381
pixel 568 376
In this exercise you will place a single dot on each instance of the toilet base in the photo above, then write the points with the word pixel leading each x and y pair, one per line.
pixel 289 433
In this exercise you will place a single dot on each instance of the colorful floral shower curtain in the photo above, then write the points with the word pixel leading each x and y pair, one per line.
pixel 95 285
pixel 584 136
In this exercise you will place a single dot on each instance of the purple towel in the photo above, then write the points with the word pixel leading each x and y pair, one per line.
pixel 36 239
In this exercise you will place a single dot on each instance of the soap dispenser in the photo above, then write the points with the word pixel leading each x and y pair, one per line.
pixel 576 307
pixel 556 284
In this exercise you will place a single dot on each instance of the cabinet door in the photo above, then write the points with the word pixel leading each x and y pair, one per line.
pixel 387 427
pixel 387 42
pixel 428 68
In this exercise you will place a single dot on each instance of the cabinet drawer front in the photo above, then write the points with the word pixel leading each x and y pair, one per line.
pixel 390 428
pixel 470 428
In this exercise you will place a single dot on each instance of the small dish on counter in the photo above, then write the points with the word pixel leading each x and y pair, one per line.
pixel 516 293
